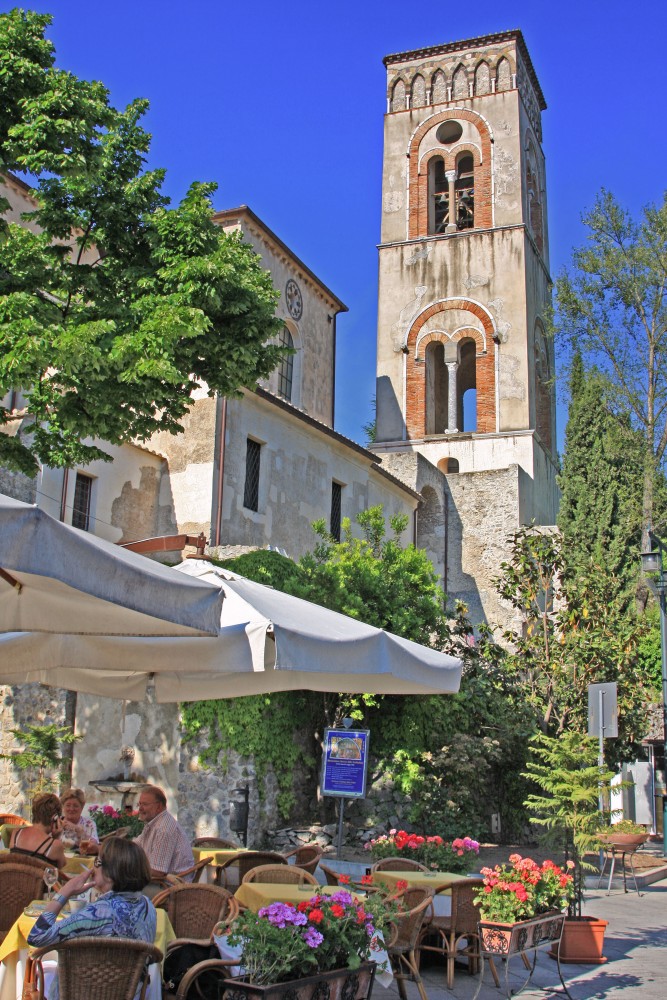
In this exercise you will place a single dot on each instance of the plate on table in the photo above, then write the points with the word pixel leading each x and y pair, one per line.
pixel 36 908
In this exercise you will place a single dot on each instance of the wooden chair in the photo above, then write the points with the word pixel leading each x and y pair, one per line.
pixel 398 865
pixel 330 875
pixel 280 874
pixel 231 872
pixel 194 910
pixel 215 843
pixel 460 925
pixel 105 968
pixel 307 857
pixel 416 907
pixel 19 885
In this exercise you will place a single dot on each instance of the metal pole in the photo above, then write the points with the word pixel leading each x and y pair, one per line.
pixel 340 828
pixel 601 765
pixel 662 585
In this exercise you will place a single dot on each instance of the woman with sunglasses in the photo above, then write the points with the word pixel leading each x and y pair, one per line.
pixel 119 874
pixel 42 839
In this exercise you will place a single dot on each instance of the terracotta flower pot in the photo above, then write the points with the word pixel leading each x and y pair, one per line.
pixel 625 841
pixel 339 984
pixel 582 941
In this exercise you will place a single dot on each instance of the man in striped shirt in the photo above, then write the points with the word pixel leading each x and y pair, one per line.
pixel 164 841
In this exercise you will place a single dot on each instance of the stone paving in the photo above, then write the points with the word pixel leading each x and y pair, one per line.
pixel 635 946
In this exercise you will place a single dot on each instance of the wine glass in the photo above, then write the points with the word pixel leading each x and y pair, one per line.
pixel 50 879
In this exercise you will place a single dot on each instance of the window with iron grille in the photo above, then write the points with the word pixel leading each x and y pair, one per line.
pixel 286 369
pixel 251 491
pixel 83 489
pixel 334 521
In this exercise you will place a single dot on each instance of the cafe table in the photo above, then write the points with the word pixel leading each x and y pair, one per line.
pixel 440 882
pixel 218 856
pixel 255 895
pixel 14 952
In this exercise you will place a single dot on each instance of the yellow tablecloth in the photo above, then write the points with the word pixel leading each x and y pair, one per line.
pixel 17 935
pixel 218 855
pixel 440 882
pixel 76 863
pixel 255 895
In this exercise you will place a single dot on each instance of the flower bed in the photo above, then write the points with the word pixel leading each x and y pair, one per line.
pixel 458 855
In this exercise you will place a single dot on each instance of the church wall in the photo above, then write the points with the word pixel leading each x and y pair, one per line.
pixel 297 467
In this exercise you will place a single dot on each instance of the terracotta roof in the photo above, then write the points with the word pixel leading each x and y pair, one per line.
pixel 469 43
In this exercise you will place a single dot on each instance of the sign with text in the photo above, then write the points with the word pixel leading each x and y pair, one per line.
pixel 344 762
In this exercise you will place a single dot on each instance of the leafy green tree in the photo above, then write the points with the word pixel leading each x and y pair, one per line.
pixel 575 632
pixel 612 307
pixel 117 307
pixel 41 753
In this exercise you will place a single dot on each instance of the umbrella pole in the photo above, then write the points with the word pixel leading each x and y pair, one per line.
pixel 341 811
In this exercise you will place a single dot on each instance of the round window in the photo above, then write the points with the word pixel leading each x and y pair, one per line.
pixel 449 132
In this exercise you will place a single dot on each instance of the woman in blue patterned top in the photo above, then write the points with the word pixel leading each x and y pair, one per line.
pixel 119 874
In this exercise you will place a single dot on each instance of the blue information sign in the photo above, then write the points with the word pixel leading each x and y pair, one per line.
pixel 344 762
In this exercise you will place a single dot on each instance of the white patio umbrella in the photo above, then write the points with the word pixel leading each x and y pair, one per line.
pixel 266 641
pixel 57 579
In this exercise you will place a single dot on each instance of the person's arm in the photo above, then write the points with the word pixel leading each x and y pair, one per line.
pixel 87 920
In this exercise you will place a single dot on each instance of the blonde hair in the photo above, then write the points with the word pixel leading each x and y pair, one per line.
pixel 73 793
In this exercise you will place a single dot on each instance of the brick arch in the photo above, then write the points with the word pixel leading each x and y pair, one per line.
pixel 418 177
pixel 415 368
pixel 450 155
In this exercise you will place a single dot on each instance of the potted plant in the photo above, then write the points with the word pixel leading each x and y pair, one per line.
pixel 624 834
pixel 566 770
pixel 291 949
pixel 107 819
pixel 458 855
pixel 522 905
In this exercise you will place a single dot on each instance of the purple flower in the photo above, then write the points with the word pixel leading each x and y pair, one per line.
pixel 313 938
pixel 342 896
pixel 280 915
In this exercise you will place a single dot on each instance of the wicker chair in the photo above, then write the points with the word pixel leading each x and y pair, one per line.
pixel 280 874
pixel 330 875
pixel 194 910
pixel 19 885
pixel 460 925
pixel 9 858
pixel 416 907
pixel 307 857
pixel 122 831
pixel 189 986
pixel 398 865
pixel 11 819
pixel 231 872
pixel 101 967
pixel 215 843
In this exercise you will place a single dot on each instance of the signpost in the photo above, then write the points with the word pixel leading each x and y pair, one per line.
pixel 344 762
pixel 602 722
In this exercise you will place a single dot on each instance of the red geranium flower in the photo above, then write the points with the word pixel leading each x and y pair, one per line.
pixel 316 916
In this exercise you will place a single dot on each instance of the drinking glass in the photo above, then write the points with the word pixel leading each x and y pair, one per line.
pixel 50 879
pixel 84 844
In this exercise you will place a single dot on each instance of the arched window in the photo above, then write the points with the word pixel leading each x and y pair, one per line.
pixel 465 192
pixel 437 389
pixel 398 96
pixel 439 197
pixel 439 88
pixel 286 368
pixel 467 386
pixel 418 92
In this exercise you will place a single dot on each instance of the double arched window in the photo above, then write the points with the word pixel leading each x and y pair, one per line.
pixel 451 188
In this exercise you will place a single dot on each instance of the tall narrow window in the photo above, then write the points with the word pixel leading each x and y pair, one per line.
pixel 465 192
pixel 251 491
pixel 439 197
pixel 336 502
pixel 83 489
pixel 286 369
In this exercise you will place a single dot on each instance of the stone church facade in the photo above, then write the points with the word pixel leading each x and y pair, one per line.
pixel 465 410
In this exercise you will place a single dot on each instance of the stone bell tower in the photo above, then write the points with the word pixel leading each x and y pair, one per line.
pixel 465 369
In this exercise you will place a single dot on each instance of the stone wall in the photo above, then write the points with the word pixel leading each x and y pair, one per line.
pixel 21 705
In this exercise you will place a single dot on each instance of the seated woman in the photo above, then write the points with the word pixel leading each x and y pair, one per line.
pixel 42 839
pixel 75 826
pixel 120 872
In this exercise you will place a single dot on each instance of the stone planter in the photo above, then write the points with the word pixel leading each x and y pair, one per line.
pixel 339 984
pixel 497 938
pixel 582 941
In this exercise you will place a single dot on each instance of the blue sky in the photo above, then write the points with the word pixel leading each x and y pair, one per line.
pixel 282 105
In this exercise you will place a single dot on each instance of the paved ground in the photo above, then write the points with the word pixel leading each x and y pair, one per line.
pixel 635 945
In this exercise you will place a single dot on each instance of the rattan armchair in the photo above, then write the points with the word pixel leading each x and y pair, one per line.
pixel 330 875
pixel 194 910
pixel 215 843
pixel 19 885
pixel 398 865
pixel 307 857
pixel 416 907
pixel 231 872
pixel 103 968
pixel 11 819
pixel 453 929
pixel 280 874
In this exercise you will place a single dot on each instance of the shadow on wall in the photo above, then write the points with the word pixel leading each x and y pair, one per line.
pixel 457 584
pixel 390 423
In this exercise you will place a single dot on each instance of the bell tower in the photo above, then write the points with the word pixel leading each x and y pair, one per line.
pixel 465 369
